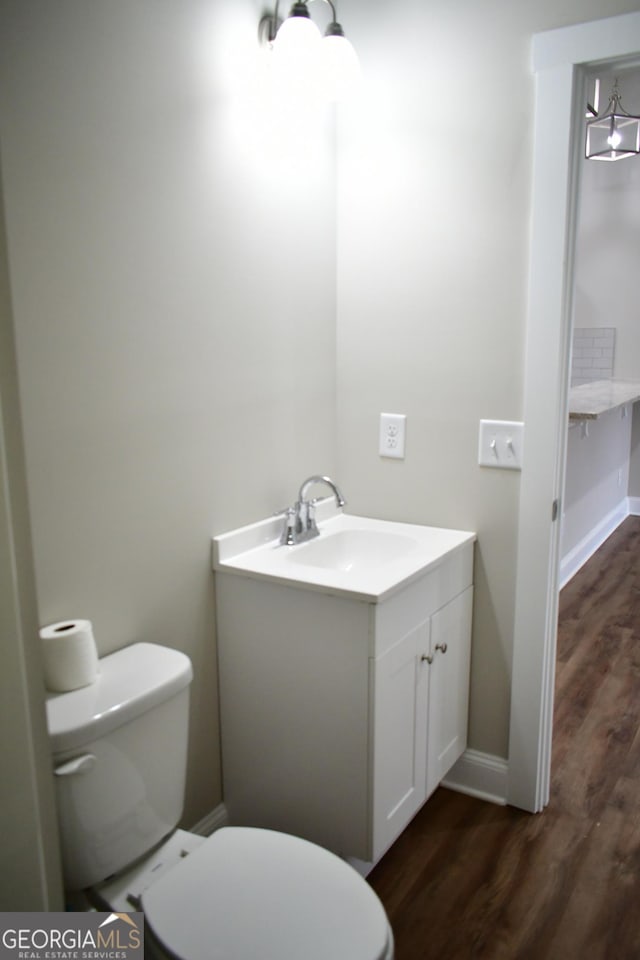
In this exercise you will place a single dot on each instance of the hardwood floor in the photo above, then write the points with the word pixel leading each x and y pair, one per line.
pixel 469 879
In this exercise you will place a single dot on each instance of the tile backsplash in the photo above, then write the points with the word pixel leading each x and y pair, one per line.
pixel 593 354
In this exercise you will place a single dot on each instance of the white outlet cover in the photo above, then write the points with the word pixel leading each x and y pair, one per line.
pixel 392 435
pixel 501 444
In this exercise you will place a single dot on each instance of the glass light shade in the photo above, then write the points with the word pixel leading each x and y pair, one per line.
pixel 297 38
pixel 296 53
pixel 340 68
pixel 614 135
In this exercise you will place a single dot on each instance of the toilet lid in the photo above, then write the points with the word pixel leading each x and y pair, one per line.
pixel 250 894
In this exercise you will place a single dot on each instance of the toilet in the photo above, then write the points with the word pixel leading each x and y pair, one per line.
pixel 119 749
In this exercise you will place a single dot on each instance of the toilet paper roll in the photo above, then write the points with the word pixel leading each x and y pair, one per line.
pixel 70 655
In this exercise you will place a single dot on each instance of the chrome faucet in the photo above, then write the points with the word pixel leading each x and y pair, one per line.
pixel 300 521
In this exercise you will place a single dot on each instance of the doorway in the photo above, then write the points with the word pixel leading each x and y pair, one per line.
pixel 560 58
pixel 599 480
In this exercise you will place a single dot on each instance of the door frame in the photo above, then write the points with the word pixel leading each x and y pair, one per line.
pixel 559 58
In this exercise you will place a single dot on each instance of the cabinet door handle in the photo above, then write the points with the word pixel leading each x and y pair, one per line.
pixel 427 657
pixel 442 647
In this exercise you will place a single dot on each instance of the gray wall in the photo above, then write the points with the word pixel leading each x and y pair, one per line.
pixel 185 357
pixel 30 875
pixel 433 233
pixel 173 272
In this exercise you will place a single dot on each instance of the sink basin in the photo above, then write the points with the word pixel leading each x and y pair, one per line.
pixel 357 550
pixel 358 557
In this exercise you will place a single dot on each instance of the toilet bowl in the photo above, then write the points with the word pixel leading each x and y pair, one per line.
pixel 119 750
pixel 255 893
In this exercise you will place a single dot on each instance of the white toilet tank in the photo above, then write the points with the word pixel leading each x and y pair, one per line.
pixel 120 750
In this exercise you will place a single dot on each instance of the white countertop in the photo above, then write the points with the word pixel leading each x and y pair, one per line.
pixel 395 554
pixel 589 400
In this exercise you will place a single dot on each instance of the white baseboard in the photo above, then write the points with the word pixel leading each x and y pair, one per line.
pixel 476 774
pixel 634 506
pixel 578 556
pixel 213 821
pixel 479 775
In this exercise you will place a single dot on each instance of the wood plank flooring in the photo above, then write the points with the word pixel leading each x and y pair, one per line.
pixel 469 879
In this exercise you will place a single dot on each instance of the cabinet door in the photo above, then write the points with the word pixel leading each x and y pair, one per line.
pixel 448 687
pixel 399 735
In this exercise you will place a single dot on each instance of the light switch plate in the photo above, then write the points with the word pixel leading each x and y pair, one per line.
pixel 501 444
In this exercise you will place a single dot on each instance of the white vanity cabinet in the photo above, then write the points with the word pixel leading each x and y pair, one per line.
pixel 420 684
pixel 340 714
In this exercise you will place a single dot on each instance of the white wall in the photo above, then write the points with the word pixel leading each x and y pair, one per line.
pixel 608 246
pixel 634 461
pixel 608 241
pixel 596 485
pixel 172 259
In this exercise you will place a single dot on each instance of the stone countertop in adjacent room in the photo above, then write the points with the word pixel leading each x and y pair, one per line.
pixel 589 400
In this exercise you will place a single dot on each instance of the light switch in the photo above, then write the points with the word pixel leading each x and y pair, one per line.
pixel 501 444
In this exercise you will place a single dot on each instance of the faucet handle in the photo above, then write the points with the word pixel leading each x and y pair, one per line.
pixel 311 515
pixel 281 513
pixel 288 533
pixel 306 516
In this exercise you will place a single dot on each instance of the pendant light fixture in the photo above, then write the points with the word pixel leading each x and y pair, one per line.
pixel 299 49
pixel 613 134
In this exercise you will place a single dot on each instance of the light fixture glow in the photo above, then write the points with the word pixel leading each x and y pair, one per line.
pixel 614 134
pixel 341 66
pixel 327 67
pixel 614 139
pixel 298 36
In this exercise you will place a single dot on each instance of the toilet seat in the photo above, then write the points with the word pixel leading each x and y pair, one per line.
pixel 251 893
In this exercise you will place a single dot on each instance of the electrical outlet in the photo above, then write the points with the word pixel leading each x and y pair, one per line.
pixel 392 435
